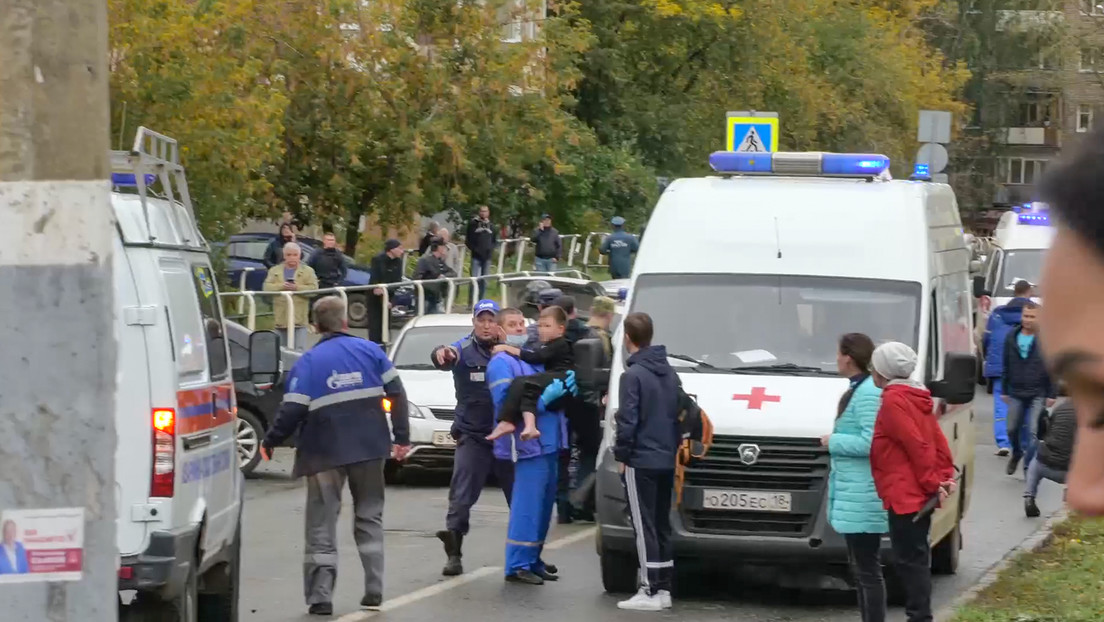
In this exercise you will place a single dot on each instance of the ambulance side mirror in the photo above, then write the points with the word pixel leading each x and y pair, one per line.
pixel 591 367
pixel 959 379
pixel 264 354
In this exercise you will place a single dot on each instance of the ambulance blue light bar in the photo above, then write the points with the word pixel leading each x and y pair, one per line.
pixel 1043 220
pixel 800 163
pixel 129 180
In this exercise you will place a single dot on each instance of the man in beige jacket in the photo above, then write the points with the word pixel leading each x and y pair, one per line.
pixel 291 276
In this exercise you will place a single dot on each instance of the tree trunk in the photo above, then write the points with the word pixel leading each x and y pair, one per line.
pixel 352 232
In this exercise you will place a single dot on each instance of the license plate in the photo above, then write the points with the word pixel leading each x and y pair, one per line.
pixel 747 500
pixel 443 439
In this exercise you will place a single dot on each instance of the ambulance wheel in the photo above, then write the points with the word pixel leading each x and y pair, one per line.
pixel 945 554
pixel 223 581
pixel 619 571
pixel 248 435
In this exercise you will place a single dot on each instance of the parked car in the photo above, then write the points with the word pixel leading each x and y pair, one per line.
pixel 431 392
pixel 245 255
pixel 259 397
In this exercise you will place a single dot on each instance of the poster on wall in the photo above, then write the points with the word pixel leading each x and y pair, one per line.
pixel 41 545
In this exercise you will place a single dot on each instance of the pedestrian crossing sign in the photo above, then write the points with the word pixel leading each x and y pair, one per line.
pixel 752 132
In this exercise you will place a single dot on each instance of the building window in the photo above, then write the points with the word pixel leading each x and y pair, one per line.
pixel 1084 118
pixel 1087 60
pixel 1022 171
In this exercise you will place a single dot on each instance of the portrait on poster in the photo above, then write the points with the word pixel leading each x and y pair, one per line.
pixel 41 545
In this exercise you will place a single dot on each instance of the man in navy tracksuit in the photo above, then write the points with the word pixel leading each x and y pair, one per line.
pixel 620 246
pixel 1027 385
pixel 1000 323
pixel 335 398
pixel 474 460
pixel 645 446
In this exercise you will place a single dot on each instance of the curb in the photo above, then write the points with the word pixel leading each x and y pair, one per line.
pixel 1037 540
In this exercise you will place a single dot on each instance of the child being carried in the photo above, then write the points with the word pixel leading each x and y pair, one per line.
pixel 555 354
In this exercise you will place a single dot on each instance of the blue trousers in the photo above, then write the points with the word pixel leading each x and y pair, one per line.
pixel 1000 417
pixel 530 512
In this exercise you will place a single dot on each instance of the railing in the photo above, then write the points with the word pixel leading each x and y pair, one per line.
pixel 569 241
pixel 248 298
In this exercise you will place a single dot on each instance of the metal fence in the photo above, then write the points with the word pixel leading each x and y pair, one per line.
pixel 575 246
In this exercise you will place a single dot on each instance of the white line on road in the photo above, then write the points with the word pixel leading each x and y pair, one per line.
pixel 455 582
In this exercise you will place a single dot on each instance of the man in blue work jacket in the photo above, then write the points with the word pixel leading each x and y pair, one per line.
pixel 474 460
pixel 338 397
pixel 620 246
pixel 536 460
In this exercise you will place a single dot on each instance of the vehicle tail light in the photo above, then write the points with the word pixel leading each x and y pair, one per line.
pixel 164 453
pixel 126 572
pixel 386 405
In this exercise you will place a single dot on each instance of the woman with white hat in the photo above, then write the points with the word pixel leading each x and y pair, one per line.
pixel 912 464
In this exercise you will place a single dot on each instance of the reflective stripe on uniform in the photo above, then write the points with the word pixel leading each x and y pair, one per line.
pixel 297 398
pixel 499 381
pixel 520 543
pixel 389 375
pixel 345 396
pixel 669 564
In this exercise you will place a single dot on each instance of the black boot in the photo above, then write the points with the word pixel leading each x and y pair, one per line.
pixel 454 542
pixel 1030 508
pixel 525 576
pixel 1013 462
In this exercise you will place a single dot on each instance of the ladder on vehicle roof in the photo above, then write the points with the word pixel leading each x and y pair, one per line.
pixel 155 158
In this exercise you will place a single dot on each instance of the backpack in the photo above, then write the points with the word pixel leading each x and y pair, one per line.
pixel 697 437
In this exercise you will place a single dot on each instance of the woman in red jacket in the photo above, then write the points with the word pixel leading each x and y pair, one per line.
pixel 911 463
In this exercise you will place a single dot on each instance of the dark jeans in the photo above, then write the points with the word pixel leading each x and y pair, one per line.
pixel 1024 411
pixel 863 554
pixel 480 267
pixel 473 464
pixel 913 557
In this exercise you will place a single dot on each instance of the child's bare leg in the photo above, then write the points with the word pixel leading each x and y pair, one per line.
pixel 502 429
pixel 530 430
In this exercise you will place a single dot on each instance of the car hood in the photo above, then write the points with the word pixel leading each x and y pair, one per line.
pixel 431 388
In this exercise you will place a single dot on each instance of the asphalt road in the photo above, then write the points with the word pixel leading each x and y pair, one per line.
pixel 415 591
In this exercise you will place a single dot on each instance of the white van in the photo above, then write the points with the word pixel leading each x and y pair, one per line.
pixel 1021 240
pixel 751 277
pixel 178 488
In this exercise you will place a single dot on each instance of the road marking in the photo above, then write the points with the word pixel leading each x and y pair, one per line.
pixel 455 582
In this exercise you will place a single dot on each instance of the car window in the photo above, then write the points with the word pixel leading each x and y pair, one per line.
pixel 207 295
pixel 249 249
pixel 189 345
pixel 239 355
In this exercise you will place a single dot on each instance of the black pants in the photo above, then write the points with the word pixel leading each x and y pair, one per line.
pixel 472 466
pixel 375 319
pixel 524 393
pixel 913 556
pixel 585 423
pixel 863 554
pixel 649 492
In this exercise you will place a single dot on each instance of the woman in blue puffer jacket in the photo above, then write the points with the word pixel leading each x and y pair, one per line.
pixel 854 508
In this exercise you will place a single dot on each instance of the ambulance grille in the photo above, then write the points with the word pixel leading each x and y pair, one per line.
pixel 446 414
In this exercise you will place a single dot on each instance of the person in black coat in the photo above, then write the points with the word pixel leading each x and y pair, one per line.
pixel 1025 383
pixel 430 267
pixel 274 252
pixel 329 263
pixel 386 268
pixel 1055 450
pixel 481 239
pixel 430 233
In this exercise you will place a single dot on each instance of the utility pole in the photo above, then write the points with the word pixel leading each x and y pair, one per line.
pixel 57 335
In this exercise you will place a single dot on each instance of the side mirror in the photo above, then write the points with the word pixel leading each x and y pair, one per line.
pixel 975 266
pixel 591 367
pixel 959 379
pixel 264 354
pixel 979 286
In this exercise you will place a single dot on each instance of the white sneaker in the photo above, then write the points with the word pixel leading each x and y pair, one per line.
pixel 665 599
pixel 642 602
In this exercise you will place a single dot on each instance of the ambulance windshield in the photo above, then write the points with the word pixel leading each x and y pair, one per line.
pixel 731 321
pixel 1019 265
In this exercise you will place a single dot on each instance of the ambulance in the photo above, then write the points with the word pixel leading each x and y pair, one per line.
pixel 1020 243
pixel 751 276
pixel 178 489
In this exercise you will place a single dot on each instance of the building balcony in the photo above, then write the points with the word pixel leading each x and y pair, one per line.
pixel 1032 136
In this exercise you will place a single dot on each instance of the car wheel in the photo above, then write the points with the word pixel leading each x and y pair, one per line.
pixel 945 555
pixel 221 605
pixel 248 435
pixel 358 311
pixel 619 571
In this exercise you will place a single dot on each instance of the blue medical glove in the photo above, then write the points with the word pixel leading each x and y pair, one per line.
pixel 570 382
pixel 554 391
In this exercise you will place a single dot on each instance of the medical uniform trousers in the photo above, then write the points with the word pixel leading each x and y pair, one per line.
pixel 1000 417
pixel 530 512
pixel 649 492
pixel 473 463
pixel 323 505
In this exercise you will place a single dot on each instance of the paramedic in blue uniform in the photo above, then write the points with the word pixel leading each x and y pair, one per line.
pixel 620 246
pixel 535 461
pixel 474 460
pixel 337 396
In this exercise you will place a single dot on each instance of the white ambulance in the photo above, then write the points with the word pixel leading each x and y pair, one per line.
pixel 1020 243
pixel 751 276
pixel 178 488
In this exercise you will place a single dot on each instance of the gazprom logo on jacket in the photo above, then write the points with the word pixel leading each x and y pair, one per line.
pixel 344 381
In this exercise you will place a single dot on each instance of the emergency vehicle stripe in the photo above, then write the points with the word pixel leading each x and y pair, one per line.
pixel 205 408
pixel 638 524
pixel 297 398
pixel 389 375
pixel 345 396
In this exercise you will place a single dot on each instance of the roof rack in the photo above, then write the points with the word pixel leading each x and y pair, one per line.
pixel 155 157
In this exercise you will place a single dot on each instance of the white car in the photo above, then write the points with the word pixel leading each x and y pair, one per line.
pixel 431 392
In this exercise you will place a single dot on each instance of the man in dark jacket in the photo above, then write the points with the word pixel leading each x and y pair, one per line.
pixel 386 268
pixel 329 263
pixel 481 240
pixel 645 446
pixel 580 429
pixel 1026 383
pixel 620 246
pixel 1053 458
pixel 1001 321
pixel 431 232
pixel 274 252
pixel 335 400
pixel 546 241
pixel 430 267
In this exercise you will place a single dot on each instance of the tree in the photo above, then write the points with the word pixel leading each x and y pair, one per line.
pixel 193 70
